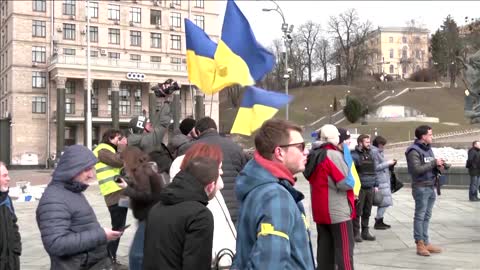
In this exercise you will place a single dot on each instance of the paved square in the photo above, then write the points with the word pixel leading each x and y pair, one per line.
pixel 455 226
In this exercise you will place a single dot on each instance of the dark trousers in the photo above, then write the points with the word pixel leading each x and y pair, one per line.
pixel 335 246
pixel 119 218
pixel 363 206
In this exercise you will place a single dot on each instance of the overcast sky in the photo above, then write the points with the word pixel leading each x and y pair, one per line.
pixel 266 25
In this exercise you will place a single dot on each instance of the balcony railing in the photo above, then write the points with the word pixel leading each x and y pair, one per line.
pixel 119 63
pixel 100 114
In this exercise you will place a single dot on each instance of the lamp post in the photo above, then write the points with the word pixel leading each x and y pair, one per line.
pixel 287 39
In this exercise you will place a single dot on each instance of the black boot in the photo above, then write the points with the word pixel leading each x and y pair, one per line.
pixel 379 225
pixel 357 237
pixel 386 225
pixel 356 230
pixel 367 236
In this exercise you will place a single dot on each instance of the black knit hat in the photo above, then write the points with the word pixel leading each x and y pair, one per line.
pixel 187 125
pixel 344 134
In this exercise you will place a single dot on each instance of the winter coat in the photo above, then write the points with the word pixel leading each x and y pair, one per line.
pixel 234 159
pixel 272 227
pixel 178 144
pixel 70 231
pixel 473 161
pixel 144 188
pixel 224 232
pixel 160 122
pixel 10 242
pixel 361 157
pixel 332 195
pixel 179 228
pixel 383 176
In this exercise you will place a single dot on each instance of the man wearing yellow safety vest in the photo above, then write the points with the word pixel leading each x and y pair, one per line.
pixel 108 169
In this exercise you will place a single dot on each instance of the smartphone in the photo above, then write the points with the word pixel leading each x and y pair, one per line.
pixel 123 228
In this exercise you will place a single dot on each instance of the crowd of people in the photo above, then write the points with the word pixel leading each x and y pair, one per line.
pixel 202 203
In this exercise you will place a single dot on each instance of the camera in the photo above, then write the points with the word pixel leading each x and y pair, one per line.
pixel 165 88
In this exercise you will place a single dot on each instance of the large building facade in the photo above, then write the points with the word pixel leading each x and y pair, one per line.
pixel 400 51
pixel 134 45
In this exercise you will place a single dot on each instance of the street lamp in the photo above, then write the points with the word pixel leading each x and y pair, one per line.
pixel 287 39
pixel 330 114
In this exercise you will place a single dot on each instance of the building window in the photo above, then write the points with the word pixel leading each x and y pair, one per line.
pixel 200 21
pixel 417 39
pixel 39 28
pixel 176 63
pixel 417 54
pixel 135 15
pixel 114 55
pixel 39 79
pixel 404 53
pixel 67 51
pixel 93 53
pixel 135 38
pixel 137 105
pixel 38 54
pixel 95 98
pixel 177 2
pixel 93 10
pixel 391 53
pixel 390 39
pixel 135 57
pixel 156 40
pixel 39 5
pixel 404 69
pixel 176 42
pixel 70 105
pixel 199 3
pixel 70 87
pixel 155 60
pixel 176 19
pixel 113 36
pixel 404 39
pixel 93 34
pixel 69 7
pixel 124 107
pixel 39 104
pixel 391 69
pixel 114 12
pixel 155 17
pixel 69 31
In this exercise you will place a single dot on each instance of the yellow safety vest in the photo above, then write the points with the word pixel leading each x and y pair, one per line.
pixel 106 174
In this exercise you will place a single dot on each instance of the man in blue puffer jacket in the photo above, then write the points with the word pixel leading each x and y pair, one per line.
pixel 272 231
pixel 70 231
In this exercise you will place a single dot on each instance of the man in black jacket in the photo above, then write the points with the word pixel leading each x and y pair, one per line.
pixel 234 159
pixel 10 244
pixel 473 165
pixel 179 229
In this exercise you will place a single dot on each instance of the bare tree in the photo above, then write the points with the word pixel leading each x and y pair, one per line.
pixel 351 35
pixel 308 34
pixel 234 94
pixel 323 53
pixel 297 60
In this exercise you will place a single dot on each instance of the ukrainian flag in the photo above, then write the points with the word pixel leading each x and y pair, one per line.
pixel 352 179
pixel 239 52
pixel 201 49
pixel 257 106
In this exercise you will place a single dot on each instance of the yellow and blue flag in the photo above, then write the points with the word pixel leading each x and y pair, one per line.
pixel 239 52
pixel 257 106
pixel 201 49
pixel 352 178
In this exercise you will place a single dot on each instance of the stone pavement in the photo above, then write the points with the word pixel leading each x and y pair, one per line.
pixel 455 226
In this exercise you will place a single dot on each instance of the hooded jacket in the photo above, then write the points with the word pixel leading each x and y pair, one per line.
pixel 71 233
pixel 10 243
pixel 234 159
pixel 179 228
pixel 272 230
pixel 332 194
pixel 383 176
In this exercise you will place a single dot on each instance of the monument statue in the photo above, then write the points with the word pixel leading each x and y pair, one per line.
pixel 471 75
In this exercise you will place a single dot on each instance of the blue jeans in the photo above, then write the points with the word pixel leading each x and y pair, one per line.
pixel 424 200
pixel 473 193
pixel 135 256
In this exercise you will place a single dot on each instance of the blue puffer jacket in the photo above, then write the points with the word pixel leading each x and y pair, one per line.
pixel 70 232
pixel 271 231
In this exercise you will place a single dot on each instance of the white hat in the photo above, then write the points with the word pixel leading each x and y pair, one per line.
pixel 329 133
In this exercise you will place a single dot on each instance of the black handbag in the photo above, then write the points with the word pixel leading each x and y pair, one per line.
pixel 224 252
pixel 395 184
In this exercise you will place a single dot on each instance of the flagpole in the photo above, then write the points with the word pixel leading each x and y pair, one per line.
pixel 89 89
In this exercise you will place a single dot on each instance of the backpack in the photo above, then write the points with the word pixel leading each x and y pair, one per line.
pixel 162 156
